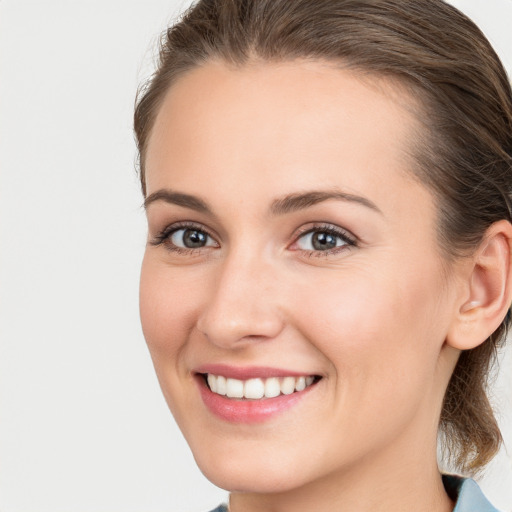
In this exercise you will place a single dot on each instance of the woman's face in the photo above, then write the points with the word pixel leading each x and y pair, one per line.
pixel 290 246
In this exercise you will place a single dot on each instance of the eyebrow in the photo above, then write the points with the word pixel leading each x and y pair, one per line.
pixel 300 201
pixel 179 199
pixel 281 206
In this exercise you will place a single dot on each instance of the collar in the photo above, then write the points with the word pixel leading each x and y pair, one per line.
pixel 467 495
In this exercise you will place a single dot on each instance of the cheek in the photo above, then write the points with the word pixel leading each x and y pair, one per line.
pixel 167 307
pixel 380 330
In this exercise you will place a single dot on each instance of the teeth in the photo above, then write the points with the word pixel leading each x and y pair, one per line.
pixel 221 385
pixel 256 389
pixel 272 388
pixel 234 388
pixel 212 382
pixel 300 384
pixel 288 385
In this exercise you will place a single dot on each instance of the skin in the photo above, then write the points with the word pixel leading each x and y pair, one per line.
pixel 371 318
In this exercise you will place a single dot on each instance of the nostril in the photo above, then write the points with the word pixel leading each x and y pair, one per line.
pixel 230 319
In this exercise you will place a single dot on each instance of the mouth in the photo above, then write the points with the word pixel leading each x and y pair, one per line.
pixel 252 395
pixel 257 388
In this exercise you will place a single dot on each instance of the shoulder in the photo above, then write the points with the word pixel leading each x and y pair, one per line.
pixel 220 508
pixel 467 495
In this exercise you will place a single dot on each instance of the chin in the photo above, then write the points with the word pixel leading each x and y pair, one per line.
pixel 250 482
pixel 248 475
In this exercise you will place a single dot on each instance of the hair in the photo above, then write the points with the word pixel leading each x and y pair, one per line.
pixel 463 153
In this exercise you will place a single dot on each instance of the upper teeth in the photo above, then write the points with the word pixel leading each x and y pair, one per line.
pixel 257 388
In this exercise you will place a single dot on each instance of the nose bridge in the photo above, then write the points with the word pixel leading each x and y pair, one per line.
pixel 243 303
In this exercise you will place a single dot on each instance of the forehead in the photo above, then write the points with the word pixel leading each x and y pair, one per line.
pixel 298 123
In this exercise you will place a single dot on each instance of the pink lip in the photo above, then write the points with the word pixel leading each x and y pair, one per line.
pixel 247 372
pixel 244 410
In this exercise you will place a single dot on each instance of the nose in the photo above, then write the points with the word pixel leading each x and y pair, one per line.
pixel 243 304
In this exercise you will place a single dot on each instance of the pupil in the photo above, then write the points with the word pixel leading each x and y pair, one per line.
pixel 193 238
pixel 323 241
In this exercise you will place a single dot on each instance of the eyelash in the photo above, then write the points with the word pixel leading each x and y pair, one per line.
pixel 163 238
pixel 350 241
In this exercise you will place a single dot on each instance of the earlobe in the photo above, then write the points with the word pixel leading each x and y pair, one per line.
pixel 488 293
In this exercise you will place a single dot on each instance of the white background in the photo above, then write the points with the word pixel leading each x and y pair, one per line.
pixel 83 427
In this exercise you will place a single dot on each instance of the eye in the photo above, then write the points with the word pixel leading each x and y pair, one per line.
pixel 325 239
pixel 184 238
pixel 190 238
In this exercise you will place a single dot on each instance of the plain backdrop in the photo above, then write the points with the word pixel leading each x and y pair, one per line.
pixel 83 426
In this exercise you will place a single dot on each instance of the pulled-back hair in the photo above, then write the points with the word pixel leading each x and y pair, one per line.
pixel 464 153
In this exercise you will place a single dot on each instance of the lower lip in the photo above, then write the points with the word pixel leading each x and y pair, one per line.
pixel 248 411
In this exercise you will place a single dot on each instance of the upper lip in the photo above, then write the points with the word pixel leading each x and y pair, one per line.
pixel 248 372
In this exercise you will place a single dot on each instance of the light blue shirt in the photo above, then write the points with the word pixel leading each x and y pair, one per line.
pixel 465 492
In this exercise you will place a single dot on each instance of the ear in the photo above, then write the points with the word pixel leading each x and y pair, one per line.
pixel 487 291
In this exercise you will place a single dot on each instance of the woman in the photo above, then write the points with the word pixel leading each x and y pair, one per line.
pixel 328 274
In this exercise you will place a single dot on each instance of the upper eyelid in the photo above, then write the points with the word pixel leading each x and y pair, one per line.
pixel 165 234
pixel 176 226
pixel 329 227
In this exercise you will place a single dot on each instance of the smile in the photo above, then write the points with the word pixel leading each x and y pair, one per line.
pixel 252 395
pixel 257 388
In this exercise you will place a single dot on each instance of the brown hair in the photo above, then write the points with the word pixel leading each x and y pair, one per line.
pixel 464 153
